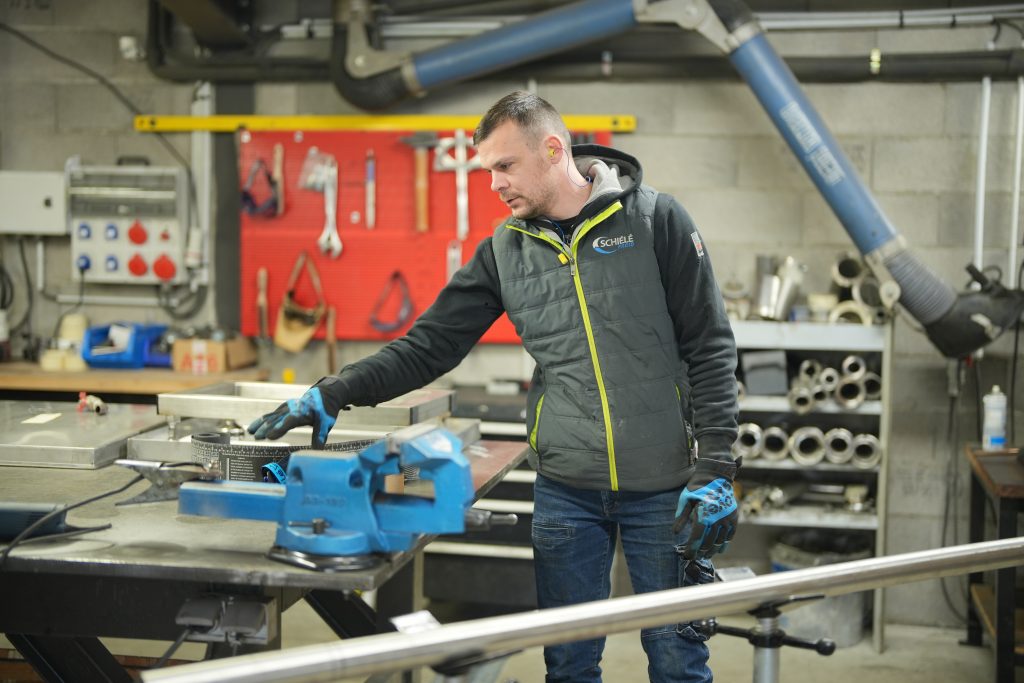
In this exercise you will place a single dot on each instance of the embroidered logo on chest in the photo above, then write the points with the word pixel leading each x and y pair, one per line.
pixel 610 245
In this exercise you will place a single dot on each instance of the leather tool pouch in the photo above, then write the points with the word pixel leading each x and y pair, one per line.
pixel 295 323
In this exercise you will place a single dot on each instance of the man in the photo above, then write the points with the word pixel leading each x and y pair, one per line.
pixel 611 290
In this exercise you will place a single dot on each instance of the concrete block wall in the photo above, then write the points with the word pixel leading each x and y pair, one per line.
pixel 706 142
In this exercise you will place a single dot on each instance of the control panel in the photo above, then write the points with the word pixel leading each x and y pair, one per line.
pixel 128 224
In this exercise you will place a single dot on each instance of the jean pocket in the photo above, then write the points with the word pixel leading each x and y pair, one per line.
pixel 548 536
pixel 695 573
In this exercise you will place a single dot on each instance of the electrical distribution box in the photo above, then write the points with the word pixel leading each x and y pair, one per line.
pixel 33 203
pixel 128 224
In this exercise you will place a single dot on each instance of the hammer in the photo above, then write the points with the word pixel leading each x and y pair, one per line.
pixel 422 142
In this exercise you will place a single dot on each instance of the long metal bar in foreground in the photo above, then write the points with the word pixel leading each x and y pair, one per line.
pixel 400 651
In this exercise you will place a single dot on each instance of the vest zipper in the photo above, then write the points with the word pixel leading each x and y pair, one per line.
pixel 584 228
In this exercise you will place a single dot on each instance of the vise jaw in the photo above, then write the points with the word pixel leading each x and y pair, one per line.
pixel 333 512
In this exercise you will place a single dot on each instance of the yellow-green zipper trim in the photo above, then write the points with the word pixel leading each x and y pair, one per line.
pixel 609 437
pixel 583 229
pixel 536 423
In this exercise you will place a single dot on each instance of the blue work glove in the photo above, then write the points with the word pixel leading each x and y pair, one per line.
pixel 318 407
pixel 708 502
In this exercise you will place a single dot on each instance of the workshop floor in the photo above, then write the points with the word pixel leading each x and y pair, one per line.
pixel 914 654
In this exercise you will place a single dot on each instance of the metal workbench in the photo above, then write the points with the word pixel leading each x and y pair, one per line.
pixel 129 581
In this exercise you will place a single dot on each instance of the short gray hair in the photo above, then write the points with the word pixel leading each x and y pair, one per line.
pixel 531 113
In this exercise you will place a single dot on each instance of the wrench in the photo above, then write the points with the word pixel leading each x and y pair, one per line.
pixel 329 242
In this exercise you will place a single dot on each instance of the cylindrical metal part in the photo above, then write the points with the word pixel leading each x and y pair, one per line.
pixel 854 367
pixel 809 370
pixel 748 441
pixel 849 392
pixel 838 445
pixel 829 379
pixel 766 659
pixel 851 312
pixel 360 657
pixel 848 269
pixel 819 394
pixel 867 451
pixel 774 444
pixel 867 292
pixel 872 386
pixel 801 400
pixel 807 446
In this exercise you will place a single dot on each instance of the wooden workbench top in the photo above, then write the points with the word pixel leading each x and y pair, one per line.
pixel 20 376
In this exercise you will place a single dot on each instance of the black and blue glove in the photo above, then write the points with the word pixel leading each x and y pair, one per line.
pixel 318 407
pixel 709 503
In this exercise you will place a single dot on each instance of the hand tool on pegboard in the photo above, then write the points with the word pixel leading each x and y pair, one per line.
pixel 422 142
pixel 371 190
pixel 277 174
pixel 320 173
pixel 461 165
pixel 331 341
pixel 262 307
pixel 296 324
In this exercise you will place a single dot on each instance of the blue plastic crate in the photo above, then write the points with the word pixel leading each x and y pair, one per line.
pixel 140 352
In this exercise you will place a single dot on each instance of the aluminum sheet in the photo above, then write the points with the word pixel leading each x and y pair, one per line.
pixel 243 402
pixel 52 434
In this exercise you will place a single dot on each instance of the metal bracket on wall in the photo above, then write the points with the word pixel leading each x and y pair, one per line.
pixel 228 123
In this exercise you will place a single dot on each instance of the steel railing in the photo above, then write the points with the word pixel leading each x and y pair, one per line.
pixel 401 651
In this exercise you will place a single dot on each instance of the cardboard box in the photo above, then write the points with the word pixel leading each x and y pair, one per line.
pixel 205 357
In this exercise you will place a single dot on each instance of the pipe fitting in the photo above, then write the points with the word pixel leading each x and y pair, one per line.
pixel 867 451
pixel 829 379
pixel 838 445
pixel 807 446
pixel 849 392
pixel 848 269
pixel 774 444
pixel 872 386
pixel 749 439
pixel 801 399
pixel 851 312
pixel 809 370
pixel 854 367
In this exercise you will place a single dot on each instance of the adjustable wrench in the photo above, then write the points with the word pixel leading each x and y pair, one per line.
pixel 329 242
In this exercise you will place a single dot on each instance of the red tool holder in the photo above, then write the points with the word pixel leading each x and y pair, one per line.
pixel 352 283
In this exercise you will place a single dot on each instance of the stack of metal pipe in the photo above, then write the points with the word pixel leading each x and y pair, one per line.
pixel 808 445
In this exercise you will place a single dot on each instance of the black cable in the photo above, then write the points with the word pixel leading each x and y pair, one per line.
pixel 979 411
pixel 67 534
pixel 26 320
pixel 173 648
pixel 27 531
pixel 78 304
pixel 952 486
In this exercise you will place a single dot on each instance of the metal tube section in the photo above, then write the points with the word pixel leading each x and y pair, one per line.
pixel 402 651
pixel 979 183
pixel 767 660
pixel 547 33
pixel 1015 210
pixel 812 143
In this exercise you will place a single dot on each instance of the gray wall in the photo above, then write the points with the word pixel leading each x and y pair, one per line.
pixel 706 142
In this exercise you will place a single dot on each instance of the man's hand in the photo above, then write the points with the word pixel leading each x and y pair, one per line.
pixel 708 502
pixel 316 407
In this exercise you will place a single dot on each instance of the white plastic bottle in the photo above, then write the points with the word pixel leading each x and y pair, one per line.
pixel 993 430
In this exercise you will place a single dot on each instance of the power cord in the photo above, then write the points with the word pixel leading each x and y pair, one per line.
pixel 78 304
pixel 27 531
pixel 173 648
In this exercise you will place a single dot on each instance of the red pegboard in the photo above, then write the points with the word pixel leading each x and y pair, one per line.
pixel 353 282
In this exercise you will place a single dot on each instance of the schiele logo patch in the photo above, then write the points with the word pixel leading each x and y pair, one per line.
pixel 697 244
pixel 610 245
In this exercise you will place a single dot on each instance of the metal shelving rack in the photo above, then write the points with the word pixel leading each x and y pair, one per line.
pixel 817 337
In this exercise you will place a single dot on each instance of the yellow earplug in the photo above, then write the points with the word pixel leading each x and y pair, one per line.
pixel 551 152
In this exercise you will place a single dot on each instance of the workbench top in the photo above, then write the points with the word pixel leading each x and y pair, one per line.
pixel 152 541
pixel 22 376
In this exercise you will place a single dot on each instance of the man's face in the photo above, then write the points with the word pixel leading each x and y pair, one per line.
pixel 520 170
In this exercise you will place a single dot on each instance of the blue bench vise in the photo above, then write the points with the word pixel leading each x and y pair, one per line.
pixel 333 513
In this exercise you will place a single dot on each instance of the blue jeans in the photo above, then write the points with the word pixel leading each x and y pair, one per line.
pixel 574 534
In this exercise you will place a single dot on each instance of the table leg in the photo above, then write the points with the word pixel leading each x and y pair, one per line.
pixel 1006 523
pixel 976 533
pixel 60 659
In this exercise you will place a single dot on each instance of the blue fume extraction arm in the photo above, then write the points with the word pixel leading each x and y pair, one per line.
pixel 956 323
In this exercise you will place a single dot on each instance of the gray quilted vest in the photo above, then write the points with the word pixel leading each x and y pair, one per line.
pixel 607 408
